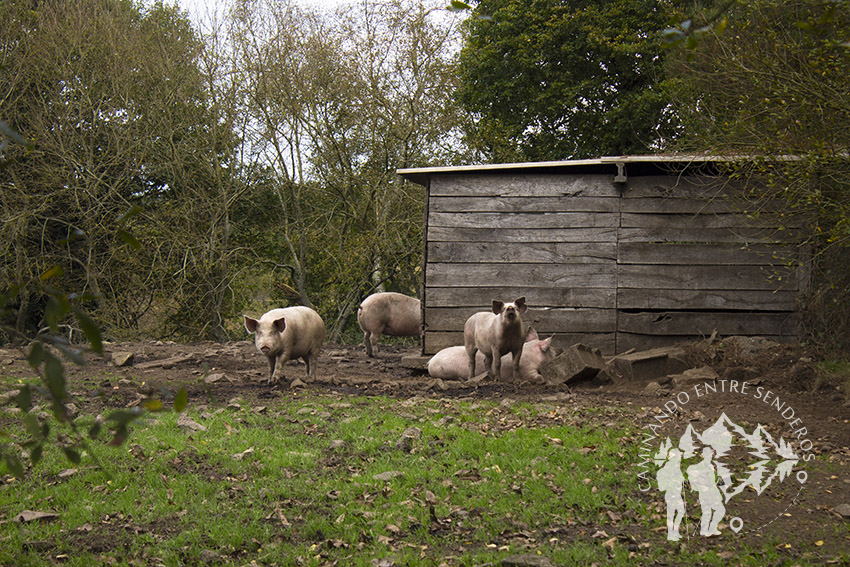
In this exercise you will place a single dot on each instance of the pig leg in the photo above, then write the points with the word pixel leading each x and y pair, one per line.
pixel 277 376
pixel 496 373
pixel 470 353
pixel 311 360
pixel 516 358
pixel 367 342
pixel 370 340
pixel 272 360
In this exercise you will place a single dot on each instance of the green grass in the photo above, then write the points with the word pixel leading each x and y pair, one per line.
pixel 485 480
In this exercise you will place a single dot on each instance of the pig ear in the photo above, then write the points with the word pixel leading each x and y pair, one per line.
pixel 497 306
pixel 280 324
pixel 250 324
pixel 520 304
pixel 531 335
pixel 546 343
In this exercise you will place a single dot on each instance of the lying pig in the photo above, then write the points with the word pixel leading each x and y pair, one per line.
pixel 388 313
pixel 288 334
pixel 451 363
pixel 496 334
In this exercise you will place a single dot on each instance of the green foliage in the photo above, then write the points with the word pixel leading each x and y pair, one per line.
pixel 773 84
pixel 257 161
pixel 120 125
pixel 551 80
pixel 332 123
pixel 52 388
pixel 50 368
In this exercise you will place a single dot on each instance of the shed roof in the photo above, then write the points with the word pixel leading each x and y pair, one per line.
pixel 422 175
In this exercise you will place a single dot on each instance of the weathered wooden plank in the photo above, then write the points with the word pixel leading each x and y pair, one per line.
pixel 441 204
pixel 499 221
pixel 534 296
pixel 710 235
pixel 453 234
pixel 688 221
pixel 527 275
pixel 681 187
pixel 804 272
pixel 669 205
pixel 706 277
pixel 523 185
pixel 632 341
pixel 526 253
pixel 554 320
pixel 702 324
pixel 438 340
pixel 654 298
pixel 718 254
pixel 628 341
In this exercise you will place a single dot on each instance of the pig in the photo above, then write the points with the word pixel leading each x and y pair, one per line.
pixel 451 363
pixel 388 313
pixel 496 334
pixel 288 334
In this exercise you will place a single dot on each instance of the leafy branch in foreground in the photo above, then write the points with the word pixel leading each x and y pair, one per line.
pixel 49 367
pixel 46 355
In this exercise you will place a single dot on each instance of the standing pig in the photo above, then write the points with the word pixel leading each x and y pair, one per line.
pixel 451 363
pixel 388 313
pixel 496 334
pixel 288 334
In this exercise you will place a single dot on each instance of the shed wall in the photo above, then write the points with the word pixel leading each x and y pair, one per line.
pixel 659 259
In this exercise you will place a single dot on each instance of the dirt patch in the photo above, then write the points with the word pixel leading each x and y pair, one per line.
pixel 217 374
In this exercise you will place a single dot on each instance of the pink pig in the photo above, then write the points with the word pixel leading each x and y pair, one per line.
pixel 287 334
pixel 452 363
pixel 388 313
pixel 495 334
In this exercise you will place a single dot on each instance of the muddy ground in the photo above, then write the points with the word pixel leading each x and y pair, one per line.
pixel 819 504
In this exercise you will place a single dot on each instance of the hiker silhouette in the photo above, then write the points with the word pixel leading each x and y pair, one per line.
pixel 670 481
pixel 702 477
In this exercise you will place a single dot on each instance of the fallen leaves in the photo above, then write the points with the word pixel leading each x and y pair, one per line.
pixel 28 516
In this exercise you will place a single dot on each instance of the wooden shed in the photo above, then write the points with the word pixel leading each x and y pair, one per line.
pixel 616 253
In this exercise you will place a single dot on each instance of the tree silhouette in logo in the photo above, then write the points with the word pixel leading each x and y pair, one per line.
pixel 711 477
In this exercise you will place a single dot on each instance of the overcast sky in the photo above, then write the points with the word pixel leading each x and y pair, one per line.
pixel 199 10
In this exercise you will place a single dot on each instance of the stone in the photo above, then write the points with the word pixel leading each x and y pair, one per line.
pixel 604 376
pixel 843 510
pixel 167 362
pixel 648 365
pixel 123 358
pixel 186 422
pixel 579 362
pixel 741 373
pixel 695 376
pixel 213 378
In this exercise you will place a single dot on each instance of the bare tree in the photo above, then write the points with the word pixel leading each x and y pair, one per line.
pixel 337 105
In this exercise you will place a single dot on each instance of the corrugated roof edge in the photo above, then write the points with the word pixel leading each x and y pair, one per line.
pixel 421 175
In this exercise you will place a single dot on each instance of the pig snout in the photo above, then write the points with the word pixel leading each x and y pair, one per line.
pixel 265 349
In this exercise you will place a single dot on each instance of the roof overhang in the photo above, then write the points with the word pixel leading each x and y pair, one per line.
pixel 422 175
